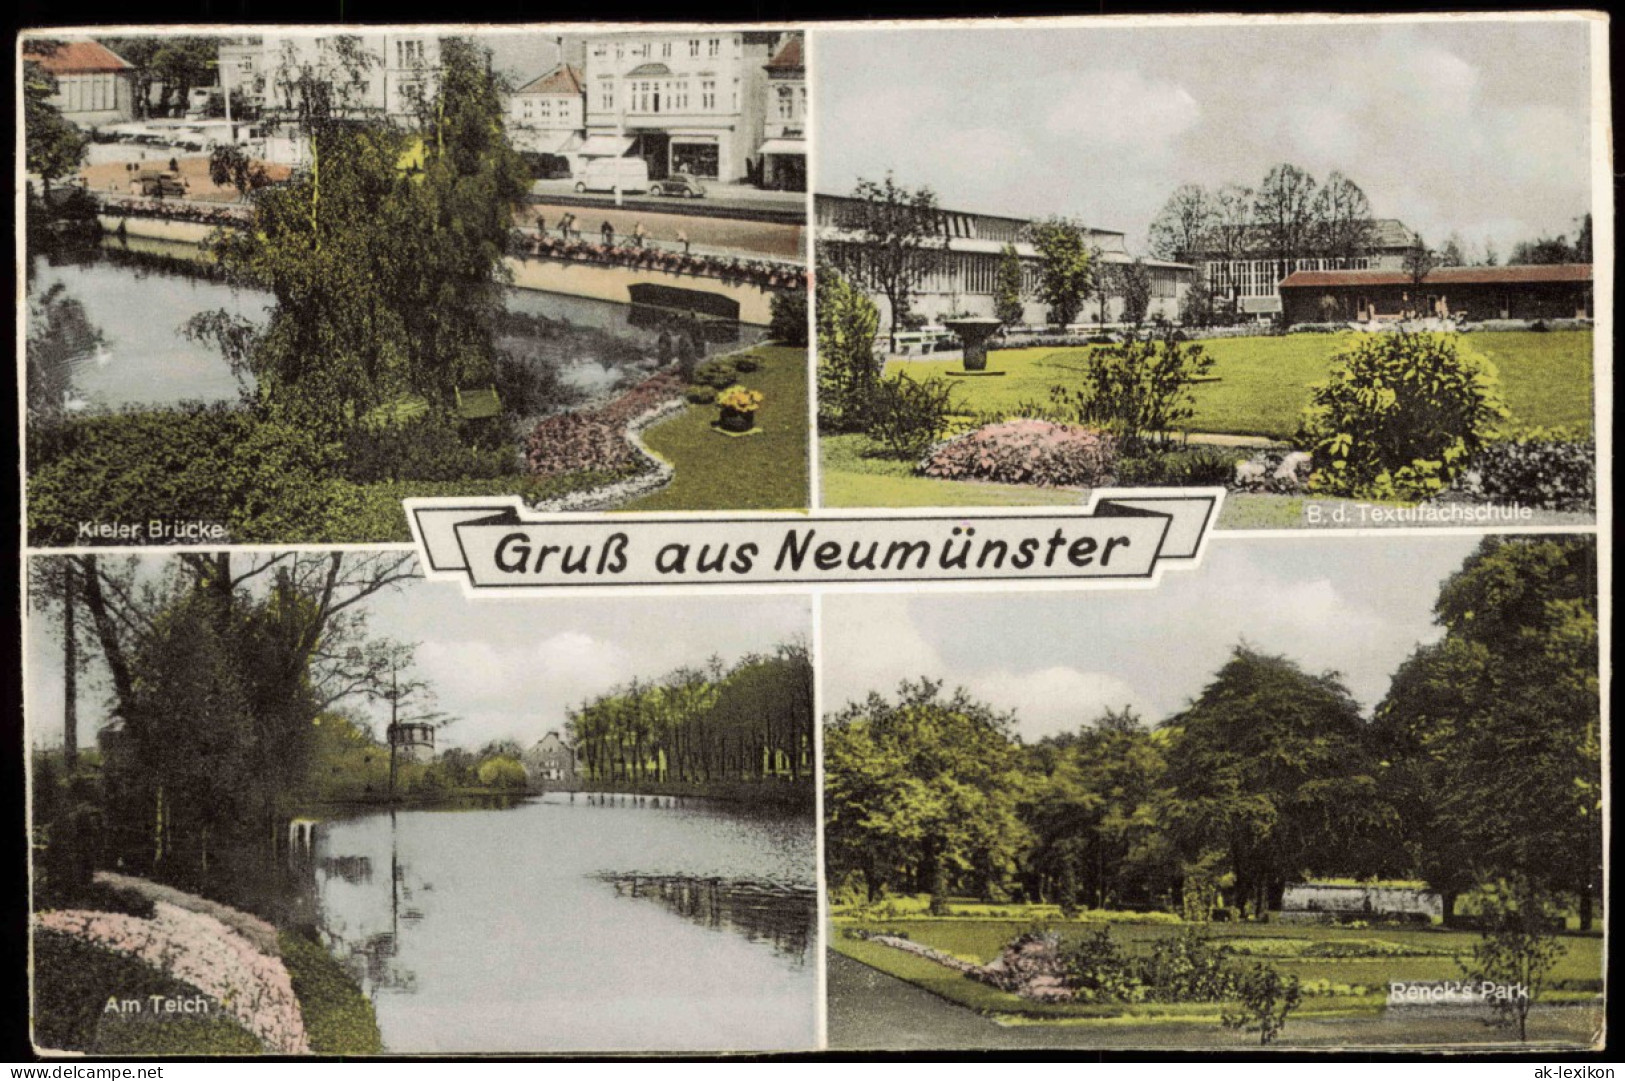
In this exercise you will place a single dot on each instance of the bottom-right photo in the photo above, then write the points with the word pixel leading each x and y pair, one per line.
pixel 1317 792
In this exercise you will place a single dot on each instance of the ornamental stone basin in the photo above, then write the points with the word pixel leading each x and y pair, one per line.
pixel 973 334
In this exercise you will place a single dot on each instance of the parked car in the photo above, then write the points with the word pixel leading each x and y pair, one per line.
pixel 680 186
pixel 608 174
pixel 546 166
pixel 158 185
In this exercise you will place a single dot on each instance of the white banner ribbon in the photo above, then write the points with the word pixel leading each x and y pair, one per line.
pixel 1120 537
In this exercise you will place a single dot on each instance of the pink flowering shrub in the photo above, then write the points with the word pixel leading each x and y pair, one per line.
pixel 200 950
pixel 596 438
pixel 1026 451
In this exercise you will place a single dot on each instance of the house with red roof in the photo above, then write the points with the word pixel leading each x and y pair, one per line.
pixel 94 85
pixel 1557 291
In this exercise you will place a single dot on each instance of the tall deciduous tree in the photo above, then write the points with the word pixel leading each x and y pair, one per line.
pixel 1285 212
pixel 1342 219
pixel 1066 273
pixel 1185 224
pixel 895 240
pixel 1272 767
pixel 385 255
pixel 1495 730
pixel 922 793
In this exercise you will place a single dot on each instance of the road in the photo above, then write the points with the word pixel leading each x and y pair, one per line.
pixel 663 222
pixel 720 200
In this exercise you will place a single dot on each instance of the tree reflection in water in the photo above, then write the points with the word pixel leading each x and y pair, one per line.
pixel 781 916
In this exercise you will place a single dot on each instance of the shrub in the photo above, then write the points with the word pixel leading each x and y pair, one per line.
pixel 1097 969
pixel 1139 391
pixel 339 1019
pixel 1318 328
pixel 746 364
pixel 1266 998
pixel 532 386
pixel 262 481
pixel 847 367
pixel 424 448
pixel 698 395
pixel 1195 467
pixel 74 979
pixel 719 374
pixel 1536 469
pixel 1186 967
pixel 1400 416
pixel 907 417
pixel 789 317
pixel 1025 452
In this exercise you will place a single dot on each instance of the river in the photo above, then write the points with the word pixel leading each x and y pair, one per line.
pixel 574 925
pixel 138 293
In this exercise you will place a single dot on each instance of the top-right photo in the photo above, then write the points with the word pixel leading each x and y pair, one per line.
pixel 1343 268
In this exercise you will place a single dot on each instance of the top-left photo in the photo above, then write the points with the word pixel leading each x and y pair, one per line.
pixel 277 282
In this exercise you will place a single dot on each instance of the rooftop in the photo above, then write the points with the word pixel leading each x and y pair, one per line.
pixel 789 55
pixel 76 58
pixel 1451 275
pixel 564 79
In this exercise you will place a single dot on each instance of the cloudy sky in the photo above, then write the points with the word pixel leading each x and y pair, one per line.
pixel 1058 659
pixel 505 668
pixel 1477 128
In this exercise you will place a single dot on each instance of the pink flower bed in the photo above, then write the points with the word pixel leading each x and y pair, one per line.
pixel 755 272
pixel 177 210
pixel 200 950
pixel 596 438
pixel 1026 452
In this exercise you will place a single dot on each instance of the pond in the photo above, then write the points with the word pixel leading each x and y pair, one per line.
pixel 575 924
pixel 138 293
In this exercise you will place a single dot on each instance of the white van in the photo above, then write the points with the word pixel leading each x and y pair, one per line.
pixel 607 174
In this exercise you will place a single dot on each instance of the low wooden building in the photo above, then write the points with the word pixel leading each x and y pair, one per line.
pixel 1557 291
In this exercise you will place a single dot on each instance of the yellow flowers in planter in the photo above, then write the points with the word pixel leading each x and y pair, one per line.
pixel 740 398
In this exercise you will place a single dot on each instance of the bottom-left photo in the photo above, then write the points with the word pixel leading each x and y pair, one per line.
pixel 309 802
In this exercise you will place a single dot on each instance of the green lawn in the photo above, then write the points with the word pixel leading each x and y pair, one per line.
pixel 1260 386
pixel 1354 985
pixel 758 472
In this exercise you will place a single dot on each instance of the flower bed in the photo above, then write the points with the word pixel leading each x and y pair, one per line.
pixel 760 273
pixel 1025 451
pixel 596 438
pixel 200 950
pixel 177 210
pixel 654 474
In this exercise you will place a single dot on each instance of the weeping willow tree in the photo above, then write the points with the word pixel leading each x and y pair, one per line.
pixel 384 254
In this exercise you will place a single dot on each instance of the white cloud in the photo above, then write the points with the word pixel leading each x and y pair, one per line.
pixel 1053 700
pixel 1116 107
